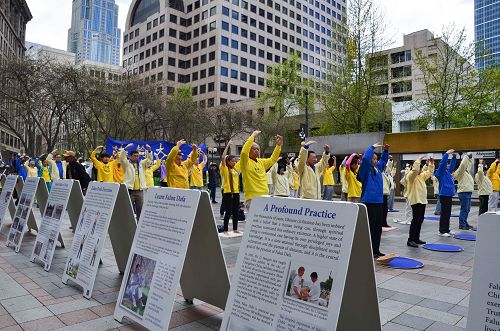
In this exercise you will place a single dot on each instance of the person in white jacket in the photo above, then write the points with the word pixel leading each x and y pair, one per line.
pixel 465 188
pixel 484 187
pixel 310 170
pixel 281 179
pixel 135 175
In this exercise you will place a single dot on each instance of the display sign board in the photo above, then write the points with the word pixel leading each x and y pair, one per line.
pixel 10 184
pixel 176 241
pixel 24 211
pixel 104 204
pixel 304 264
pixel 45 244
pixel 484 303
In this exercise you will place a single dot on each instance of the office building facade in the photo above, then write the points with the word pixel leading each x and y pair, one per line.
pixel 487 32
pixel 14 15
pixel 94 34
pixel 224 49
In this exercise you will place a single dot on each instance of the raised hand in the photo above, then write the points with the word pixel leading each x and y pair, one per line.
pixel 129 145
pixel 256 133
pixel 377 145
pixel 148 147
pixel 279 140
pixel 310 142
pixel 194 147
pixel 181 142
pixel 450 151
pixel 386 147
pixel 326 148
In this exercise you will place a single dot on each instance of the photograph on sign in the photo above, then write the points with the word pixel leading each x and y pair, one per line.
pixel 90 234
pixel 292 265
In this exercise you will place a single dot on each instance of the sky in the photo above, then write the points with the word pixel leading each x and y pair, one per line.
pixel 52 18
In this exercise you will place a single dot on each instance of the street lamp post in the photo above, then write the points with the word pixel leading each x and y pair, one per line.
pixel 307 114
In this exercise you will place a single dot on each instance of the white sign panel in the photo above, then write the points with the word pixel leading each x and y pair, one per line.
pixel 90 234
pixel 292 268
pixel 48 233
pixel 6 196
pixel 158 251
pixel 484 304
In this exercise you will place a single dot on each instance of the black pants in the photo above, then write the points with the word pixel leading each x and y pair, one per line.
pixel 444 218
pixel 385 208
pixel 212 187
pixel 483 204
pixel 164 184
pixel 231 202
pixel 375 215
pixel 418 210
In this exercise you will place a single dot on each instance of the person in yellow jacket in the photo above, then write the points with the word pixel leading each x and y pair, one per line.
pixel 118 173
pixel 465 188
pixel 57 165
pixel 229 172
pixel 196 178
pixel 178 170
pixel 44 171
pixel 254 168
pixel 351 176
pixel 294 185
pixel 31 170
pixel 343 181
pixel 416 192
pixel 150 170
pixel 328 180
pixel 104 167
pixel 310 170
pixel 484 189
pixel 135 175
pixel 494 176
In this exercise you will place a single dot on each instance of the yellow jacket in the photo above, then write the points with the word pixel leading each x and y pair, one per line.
pixel 254 171
pixel 129 170
pixel 226 183
pixel 105 171
pixel 118 173
pixel 295 184
pixel 416 190
pixel 463 176
pixel 310 186
pixel 328 176
pixel 342 178
pixel 353 185
pixel 178 175
pixel 196 179
pixel 494 176
pixel 281 183
pixel 31 171
pixel 483 182
pixel 55 170
pixel 150 182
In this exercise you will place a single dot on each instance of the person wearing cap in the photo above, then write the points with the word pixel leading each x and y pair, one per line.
pixel 178 170
pixel 196 178
pixel 135 175
pixel 31 170
pixel 465 188
pixel 328 181
pixel 310 170
pixel 446 191
pixel 75 170
pixel 494 176
pixel 254 168
pixel 105 166
pixel 484 188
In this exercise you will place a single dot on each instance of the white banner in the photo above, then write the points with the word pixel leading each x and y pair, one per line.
pixel 484 303
pixel 48 233
pixel 292 267
pixel 6 196
pixel 90 234
pixel 155 263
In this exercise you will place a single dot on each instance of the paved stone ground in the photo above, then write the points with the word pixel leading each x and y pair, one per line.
pixel 432 298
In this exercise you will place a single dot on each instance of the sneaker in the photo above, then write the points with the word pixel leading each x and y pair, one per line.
pixel 380 254
pixel 406 222
pixel 421 242
pixel 395 220
pixel 214 202
pixel 412 244
pixel 437 214
pixel 452 233
pixel 446 234
pixel 466 227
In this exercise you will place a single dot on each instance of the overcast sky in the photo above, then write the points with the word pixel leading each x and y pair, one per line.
pixel 52 18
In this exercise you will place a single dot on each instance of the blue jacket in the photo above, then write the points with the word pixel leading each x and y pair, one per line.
pixel 21 171
pixel 446 182
pixel 372 190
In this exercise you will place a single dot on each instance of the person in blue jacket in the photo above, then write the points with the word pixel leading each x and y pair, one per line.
pixel 446 191
pixel 372 192
pixel 21 171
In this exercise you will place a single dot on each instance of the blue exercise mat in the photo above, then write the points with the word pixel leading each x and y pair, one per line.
pixel 443 248
pixel 465 236
pixel 431 218
pixel 404 263
pixel 455 215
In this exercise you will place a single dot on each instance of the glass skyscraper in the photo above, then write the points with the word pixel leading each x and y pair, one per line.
pixel 94 34
pixel 487 32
